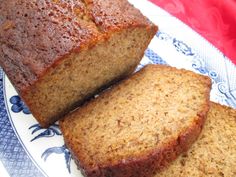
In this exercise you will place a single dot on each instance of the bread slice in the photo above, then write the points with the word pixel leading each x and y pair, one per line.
pixel 139 125
pixel 214 153
pixel 58 53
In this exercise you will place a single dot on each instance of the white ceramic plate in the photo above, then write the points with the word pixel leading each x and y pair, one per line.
pixel 28 150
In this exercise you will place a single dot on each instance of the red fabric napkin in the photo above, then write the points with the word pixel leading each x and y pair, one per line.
pixel 215 20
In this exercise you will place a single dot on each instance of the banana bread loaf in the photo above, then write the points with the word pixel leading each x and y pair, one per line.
pixel 139 125
pixel 57 53
pixel 214 153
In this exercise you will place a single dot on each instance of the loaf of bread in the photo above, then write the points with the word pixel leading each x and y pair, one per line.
pixel 58 53
pixel 139 125
pixel 214 153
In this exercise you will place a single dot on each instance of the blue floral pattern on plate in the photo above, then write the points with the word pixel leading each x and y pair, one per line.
pixel 59 150
pixel 18 105
pixel 45 133
pixel 182 47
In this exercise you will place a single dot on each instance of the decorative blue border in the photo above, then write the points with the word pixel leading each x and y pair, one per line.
pixel 12 154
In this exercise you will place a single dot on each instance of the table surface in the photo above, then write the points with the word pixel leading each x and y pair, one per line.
pixel 215 20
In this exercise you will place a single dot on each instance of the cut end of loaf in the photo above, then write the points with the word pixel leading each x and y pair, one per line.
pixel 58 53
pixel 139 125
pixel 80 75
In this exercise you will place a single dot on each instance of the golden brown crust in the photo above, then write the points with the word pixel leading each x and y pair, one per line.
pixel 158 159
pixel 35 36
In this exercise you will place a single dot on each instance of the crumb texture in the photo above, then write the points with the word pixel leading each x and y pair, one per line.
pixel 214 153
pixel 137 117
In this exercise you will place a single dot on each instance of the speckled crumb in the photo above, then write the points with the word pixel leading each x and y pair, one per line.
pixel 139 125
pixel 214 153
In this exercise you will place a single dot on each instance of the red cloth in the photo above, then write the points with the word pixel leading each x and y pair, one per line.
pixel 215 20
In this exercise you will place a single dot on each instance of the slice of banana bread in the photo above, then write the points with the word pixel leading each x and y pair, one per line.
pixel 214 153
pixel 139 125
pixel 57 53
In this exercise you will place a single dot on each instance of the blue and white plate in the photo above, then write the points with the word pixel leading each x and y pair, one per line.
pixel 28 150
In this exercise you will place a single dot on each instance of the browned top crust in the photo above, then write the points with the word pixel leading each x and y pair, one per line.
pixel 35 35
